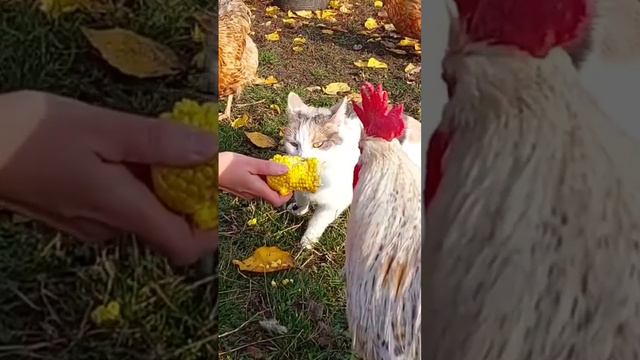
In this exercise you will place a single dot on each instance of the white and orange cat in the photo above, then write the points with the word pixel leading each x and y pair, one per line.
pixel 332 135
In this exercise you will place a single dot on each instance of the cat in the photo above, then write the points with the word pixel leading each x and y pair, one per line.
pixel 332 135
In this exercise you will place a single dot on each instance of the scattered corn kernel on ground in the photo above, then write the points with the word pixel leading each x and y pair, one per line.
pixel 192 191
pixel 303 175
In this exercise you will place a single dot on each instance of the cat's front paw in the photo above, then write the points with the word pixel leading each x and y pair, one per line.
pixel 297 210
pixel 309 242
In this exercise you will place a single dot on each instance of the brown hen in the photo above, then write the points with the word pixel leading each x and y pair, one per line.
pixel 406 16
pixel 237 53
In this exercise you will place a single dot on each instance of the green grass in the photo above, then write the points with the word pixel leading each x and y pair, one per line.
pixel 49 283
pixel 313 306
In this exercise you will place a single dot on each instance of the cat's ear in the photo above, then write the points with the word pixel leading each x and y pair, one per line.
pixel 339 110
pixel 295 104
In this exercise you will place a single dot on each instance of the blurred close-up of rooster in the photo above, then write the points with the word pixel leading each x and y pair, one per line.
pixel 406 16
pixel 533 217
pixel 237 53
pixel 383 245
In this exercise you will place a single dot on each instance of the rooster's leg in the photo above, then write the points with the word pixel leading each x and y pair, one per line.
pixel 227 110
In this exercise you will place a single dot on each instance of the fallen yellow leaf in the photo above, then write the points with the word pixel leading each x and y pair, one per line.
pixel 376 64
pixel 378 4
pixel 291 14
pixel 345 9
pixel 289 22
pixel 354 97
pixel 327 31
pixel 272 11
pixel 252 222
pixel 417 46
pixel 305 14
pixel 261 140
pixel 134 54
pixel 274 36
pixel 55 8
pixel 106 315
pixel 335 88
pixel 407 42
pixel 266 259
pixel 360 63
pixel 275 108
pixel 334 4
pixel 240 122
pixel 298 49
pixel 299 41
pixel 328 15
pixel 371 24
pixel 270 80
pixel 268 23
pixel 371 63
pixel 410 68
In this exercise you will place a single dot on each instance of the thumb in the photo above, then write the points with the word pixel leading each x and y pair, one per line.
pixel 267 168
pixel 131 138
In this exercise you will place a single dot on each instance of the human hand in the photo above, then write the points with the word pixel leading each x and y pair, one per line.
pixel 69 164
pixel 243 176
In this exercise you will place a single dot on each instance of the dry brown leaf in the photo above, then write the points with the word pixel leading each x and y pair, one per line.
pixel 261 140
pixel 327 31
pixel 398 51
pixel 266 259
pixel 134 54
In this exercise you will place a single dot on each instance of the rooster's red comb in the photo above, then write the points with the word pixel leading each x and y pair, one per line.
pixel 378 119
pixel 535 26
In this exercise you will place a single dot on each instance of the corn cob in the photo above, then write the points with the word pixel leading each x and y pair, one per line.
pixel 191 191
pixel 303 175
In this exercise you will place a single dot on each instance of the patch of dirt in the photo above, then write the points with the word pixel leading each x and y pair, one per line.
pixel 328 58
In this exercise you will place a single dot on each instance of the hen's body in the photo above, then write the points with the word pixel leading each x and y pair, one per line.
pixel 406 17
pixel 237 53
pixel 534 234
pixel 383 250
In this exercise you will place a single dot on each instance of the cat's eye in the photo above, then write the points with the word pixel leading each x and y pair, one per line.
pixel 318 144
pixel 294 144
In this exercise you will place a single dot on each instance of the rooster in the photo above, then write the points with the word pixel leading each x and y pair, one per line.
pixel 532 221
pixel 237 53
pixel 406 17
pixel 383 245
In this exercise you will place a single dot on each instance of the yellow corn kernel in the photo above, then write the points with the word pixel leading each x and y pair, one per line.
pixel 303 175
